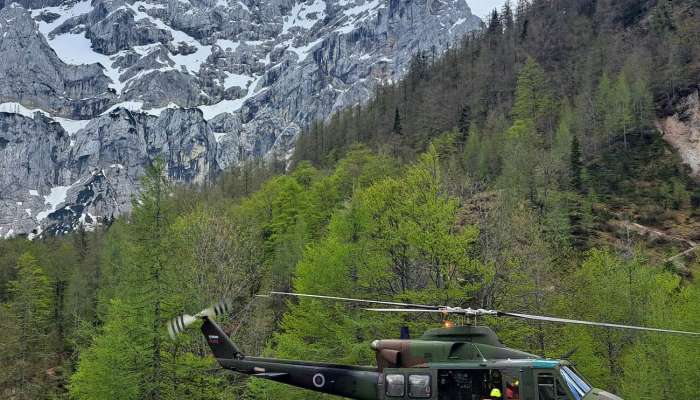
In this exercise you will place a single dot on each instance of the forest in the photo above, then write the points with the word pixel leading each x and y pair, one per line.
pixel 513 172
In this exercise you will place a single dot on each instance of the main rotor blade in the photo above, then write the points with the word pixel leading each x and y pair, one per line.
pixel 388 303
pixel 424 308
pixel 471 312
pixel 407 310
pixel 590 323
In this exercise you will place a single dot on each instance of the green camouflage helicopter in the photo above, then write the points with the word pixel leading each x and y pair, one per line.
pixel 449 363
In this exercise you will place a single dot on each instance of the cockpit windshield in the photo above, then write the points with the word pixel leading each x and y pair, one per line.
pixel 578 386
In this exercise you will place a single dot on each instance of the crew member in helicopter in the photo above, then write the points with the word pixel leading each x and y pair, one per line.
pixel 495 394
pixel 495 384
pixel 513 390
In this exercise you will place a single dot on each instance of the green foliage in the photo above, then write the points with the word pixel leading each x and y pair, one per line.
pixel 130 358
pixel 629 291
pixel 665 362
pixel 603 107
pixel 511 158
pixel 30 297
pixel 519 153
pixel 396 239
pixel 113 365
pixel 464 124
pixel 622 116
pixel 533 101
pixel 472 153
pixel 27 320
pixel 576 166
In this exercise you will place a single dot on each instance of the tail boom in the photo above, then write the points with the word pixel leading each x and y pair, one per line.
pixel 347 381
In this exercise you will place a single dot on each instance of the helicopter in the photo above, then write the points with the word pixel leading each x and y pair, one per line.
pixel 466 362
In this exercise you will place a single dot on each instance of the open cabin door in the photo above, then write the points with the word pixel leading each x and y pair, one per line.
pixel 479 384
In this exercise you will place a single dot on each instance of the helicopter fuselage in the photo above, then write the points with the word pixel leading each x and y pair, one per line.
pixel 464 363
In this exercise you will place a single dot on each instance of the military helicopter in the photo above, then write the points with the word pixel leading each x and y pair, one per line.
pixel 450 363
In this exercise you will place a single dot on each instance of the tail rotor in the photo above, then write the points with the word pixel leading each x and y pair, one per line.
pixel 178 324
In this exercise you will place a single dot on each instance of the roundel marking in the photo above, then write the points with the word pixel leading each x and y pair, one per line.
pixel 319 380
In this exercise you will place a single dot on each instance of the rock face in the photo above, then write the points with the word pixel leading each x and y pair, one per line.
pixel 58 180
pixel 682 131
pixel 91 92
pixel 33 75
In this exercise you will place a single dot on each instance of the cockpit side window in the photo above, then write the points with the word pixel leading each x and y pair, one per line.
pixel 549 388
pixel 577 385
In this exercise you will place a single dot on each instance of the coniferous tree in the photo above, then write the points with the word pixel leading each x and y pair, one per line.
pixel 30 311
pixel 130 358
pixel 576 165
pixel 533 100
pixel 397 130
pixel 507 18
pixel 643 105
pixel 662 19
pixel 521 8
pixel 521 20
pixel 604 104
pixel 560 151
pixel 464 124
pixel 576 212
pixel 495 27
pixel 135 316
pixel 473 152
pixel 623 116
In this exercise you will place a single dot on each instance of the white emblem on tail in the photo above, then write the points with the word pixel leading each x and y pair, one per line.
pixel 319 380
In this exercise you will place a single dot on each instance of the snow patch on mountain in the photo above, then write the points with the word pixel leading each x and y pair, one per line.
pixel 69 125
pixel 56 196
pixel 230 106
pixel 204 85
pixel 304 15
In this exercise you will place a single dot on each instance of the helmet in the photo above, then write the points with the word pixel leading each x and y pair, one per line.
pixel 495 392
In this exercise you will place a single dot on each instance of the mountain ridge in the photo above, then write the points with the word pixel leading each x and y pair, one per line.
pixel 255 73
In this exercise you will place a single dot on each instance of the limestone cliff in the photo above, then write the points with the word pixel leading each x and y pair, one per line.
pixel 682 131
pixel 91 92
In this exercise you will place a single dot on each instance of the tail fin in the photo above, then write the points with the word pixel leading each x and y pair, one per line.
pixel 220 344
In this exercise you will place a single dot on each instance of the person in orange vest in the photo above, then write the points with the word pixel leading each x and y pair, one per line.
pixel 513 391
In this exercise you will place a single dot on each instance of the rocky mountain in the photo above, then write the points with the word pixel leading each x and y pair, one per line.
pixel 92 91
pixel 682 131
